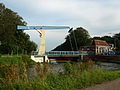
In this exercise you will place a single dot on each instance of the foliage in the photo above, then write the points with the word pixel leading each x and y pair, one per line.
pixel 68 68
pixel 108 39
pixel 79 75
pixel 111 40
pixel 10 60
pixel 117 41
pixel 13 41
pixel 26 59
pixel 75 39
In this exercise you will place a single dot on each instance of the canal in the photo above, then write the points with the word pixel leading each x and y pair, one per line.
pixel 108 66
pixel 58 67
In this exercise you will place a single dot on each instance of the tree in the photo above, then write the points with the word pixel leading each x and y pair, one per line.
pixel 111 40
pixel 108 39
pixel 75 39
pixel 117 41
pixel 11 39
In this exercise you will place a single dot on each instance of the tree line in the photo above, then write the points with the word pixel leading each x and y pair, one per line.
pixel 80 37
pixel 13 41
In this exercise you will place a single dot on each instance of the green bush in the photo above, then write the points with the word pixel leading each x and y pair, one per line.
pixel 26 59
pixel 68 68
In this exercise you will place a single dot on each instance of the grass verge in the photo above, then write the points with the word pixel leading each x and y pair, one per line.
pixel 15 77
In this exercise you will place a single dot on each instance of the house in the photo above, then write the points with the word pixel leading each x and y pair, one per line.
pixel 101 46
pixel 98 47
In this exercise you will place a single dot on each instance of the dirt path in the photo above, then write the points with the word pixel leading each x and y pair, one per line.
pixel 112 85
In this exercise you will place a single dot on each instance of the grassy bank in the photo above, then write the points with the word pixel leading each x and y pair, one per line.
pixel 15 77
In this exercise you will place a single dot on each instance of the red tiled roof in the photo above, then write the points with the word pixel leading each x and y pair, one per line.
pixel 100 43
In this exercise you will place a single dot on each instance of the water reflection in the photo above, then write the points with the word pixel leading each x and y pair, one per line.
pixel 108 66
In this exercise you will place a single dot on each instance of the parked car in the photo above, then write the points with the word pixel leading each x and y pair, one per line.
pixel 109 53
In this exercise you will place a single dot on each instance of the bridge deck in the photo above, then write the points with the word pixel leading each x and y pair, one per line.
pixel 64 53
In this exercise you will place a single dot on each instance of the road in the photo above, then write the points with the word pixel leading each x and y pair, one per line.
pixel 111 85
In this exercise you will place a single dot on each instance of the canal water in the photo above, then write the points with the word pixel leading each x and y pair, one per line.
pixel 101 65
pixel 59 67
pixel 108 66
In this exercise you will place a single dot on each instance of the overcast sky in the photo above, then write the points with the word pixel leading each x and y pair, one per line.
pixel 99 17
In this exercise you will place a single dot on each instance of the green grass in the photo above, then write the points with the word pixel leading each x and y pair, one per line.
pixel 75 76
pixel 12 60
pixel 80 80
pixel 65 82
pixel 16 59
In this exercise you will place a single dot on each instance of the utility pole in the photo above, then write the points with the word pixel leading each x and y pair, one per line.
pixel 74 38
pixel 75 41
pixel 71 29
pixel 70 42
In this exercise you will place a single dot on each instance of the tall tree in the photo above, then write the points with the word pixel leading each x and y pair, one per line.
pixel 117 41
pixel 75 39
pixel 11 39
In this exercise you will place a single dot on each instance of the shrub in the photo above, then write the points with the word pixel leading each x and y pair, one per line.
pixel 68 68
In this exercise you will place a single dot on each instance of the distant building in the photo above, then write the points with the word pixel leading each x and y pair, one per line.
pixel 101 46
pixel 98 47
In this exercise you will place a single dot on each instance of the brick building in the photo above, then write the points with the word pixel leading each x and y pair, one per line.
pixel 98 47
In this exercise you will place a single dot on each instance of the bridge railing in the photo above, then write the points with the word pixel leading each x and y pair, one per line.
pixel 63 53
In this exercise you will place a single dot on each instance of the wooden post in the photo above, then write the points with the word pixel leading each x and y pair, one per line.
pixel 81 56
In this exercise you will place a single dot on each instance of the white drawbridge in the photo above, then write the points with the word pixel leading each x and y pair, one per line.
pixel 41 57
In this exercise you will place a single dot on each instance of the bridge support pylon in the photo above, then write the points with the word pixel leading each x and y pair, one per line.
pixel 41 50
pixel 41 57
